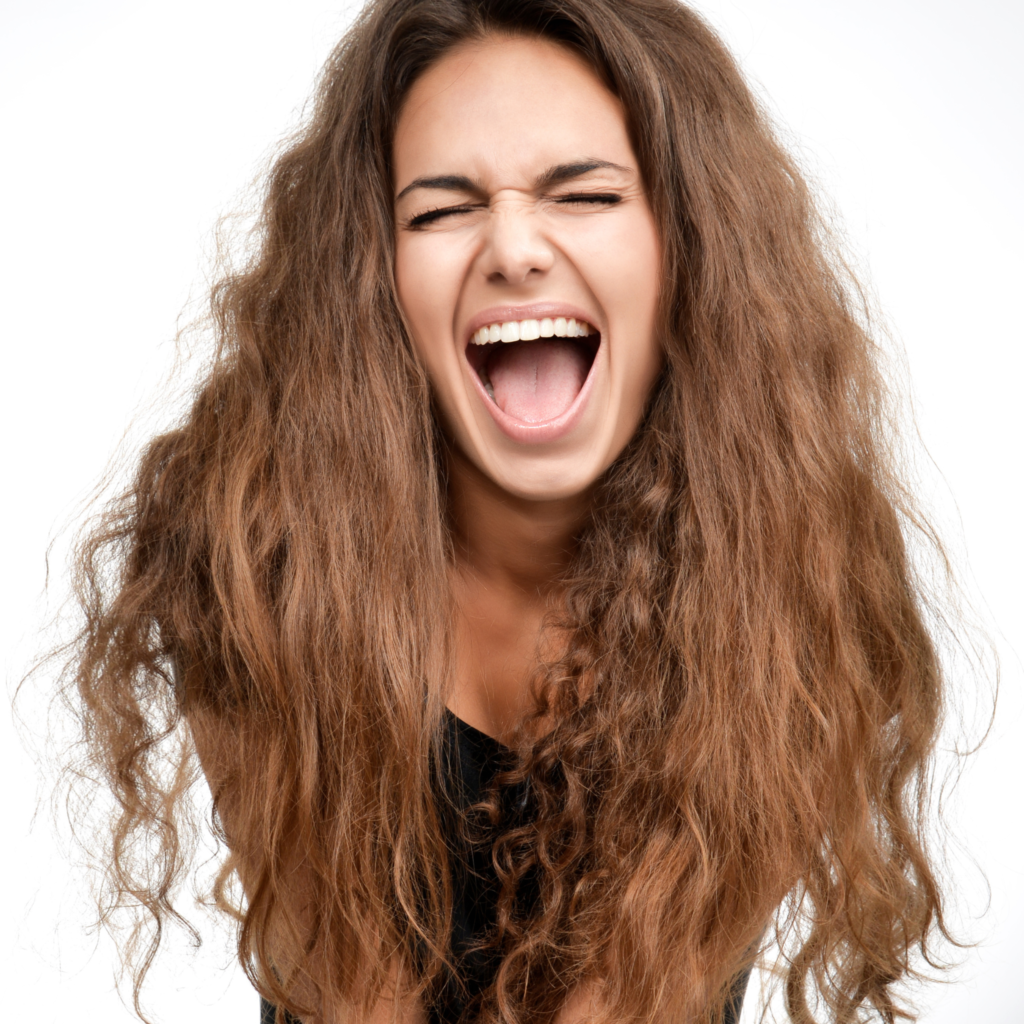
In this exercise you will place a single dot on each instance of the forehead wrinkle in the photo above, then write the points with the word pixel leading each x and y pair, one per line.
pixel 439 89
pixel 452 94
pixel 413 104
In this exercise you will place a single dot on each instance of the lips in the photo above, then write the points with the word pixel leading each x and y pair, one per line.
pixel 533 371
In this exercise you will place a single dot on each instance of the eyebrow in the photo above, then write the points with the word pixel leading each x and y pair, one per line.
pixel 555 175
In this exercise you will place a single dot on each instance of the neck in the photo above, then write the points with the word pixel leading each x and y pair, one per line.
pixel 508 541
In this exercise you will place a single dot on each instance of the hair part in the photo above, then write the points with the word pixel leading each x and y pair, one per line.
pixel 748 700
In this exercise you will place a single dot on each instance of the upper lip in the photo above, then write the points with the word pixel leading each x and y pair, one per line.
pixel 530 311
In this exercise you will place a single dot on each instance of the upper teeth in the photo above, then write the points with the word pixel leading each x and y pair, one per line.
pixel 529 330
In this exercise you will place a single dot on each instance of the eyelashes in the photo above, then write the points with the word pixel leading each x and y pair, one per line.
pixel 574 199
pixel 585 198
pixel 429 216
pixel 590 197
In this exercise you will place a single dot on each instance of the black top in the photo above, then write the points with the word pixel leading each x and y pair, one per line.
pixel 472 759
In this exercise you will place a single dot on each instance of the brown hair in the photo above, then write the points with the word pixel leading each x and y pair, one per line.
pixel 748 699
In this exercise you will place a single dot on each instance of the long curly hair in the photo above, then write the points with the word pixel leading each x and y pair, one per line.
pixel 747 698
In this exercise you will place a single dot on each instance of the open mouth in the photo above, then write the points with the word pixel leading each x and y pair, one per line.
pixel 533 370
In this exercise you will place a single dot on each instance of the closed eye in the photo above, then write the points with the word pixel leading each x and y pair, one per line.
pixel 429 216
pixel 575 198
pixel 602 198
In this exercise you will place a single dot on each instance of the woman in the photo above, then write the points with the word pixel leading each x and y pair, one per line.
pixel 529 572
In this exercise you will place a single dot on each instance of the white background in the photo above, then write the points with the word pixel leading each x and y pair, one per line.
pixel 129 128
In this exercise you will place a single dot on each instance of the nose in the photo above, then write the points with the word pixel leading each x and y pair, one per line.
pixel 515 249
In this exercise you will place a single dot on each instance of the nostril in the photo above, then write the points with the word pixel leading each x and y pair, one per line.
pixel 513 255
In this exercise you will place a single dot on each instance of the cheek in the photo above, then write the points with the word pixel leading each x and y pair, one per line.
pixel 413 288
pixel 424 287
pixel 630 272
pixel 621 259
pixel 641 274
pixel 624 269
pixel 429 274
pixel 637 269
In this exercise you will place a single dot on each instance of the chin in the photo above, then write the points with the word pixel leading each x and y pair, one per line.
pixel 533 479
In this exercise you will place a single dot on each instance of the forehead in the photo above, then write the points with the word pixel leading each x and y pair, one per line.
pixel 503 107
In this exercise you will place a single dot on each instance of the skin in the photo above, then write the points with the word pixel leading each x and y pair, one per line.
pixel 541 200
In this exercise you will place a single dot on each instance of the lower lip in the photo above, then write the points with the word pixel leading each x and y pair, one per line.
pixel 539 433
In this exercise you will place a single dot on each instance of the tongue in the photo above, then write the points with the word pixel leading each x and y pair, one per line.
pixel 535 381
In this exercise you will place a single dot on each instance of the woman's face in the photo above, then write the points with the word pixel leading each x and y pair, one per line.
pixel 527 262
